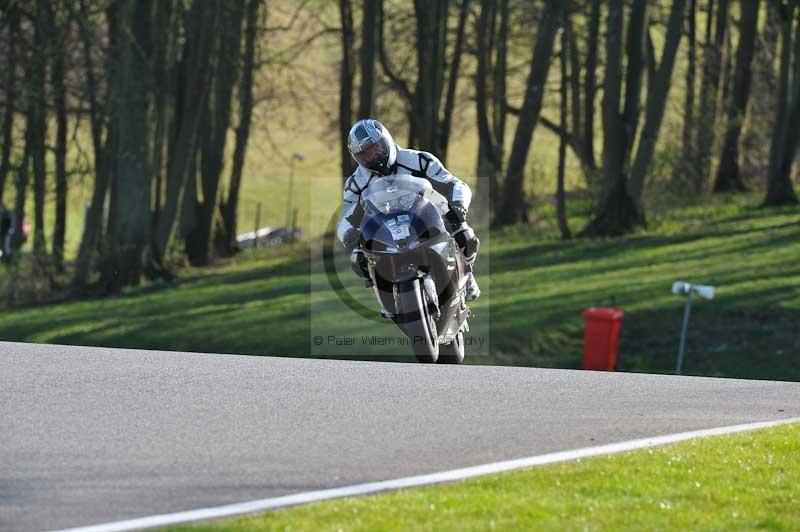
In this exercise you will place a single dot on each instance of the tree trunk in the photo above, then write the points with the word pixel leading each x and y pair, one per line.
pixel 590 87
pixel 709 92
pixel 229 207
pixel 574 78
pixel 38 125
pixel 193 92
pixel 94 214
pixel 561 206
pixel 187 221
pixel 729 177
pixel 59 95
pixel 513 208
pixel 656 104
pixel 684 168
pixel 21 189
pixel 621 203
pixel 488 160
pixel 757 131
pixel 636 47
pixel 396 83
pixel 490 101
pixel 370 32
pixel 452 79
pixel 576 135
pixel 346 76
pixel 12 14
pixel 614 213
pixel 499 97
pixel 213 152
pixel 784 141
pixel 617 212
pixel 165 37
pixel 130 207
pixel 431 26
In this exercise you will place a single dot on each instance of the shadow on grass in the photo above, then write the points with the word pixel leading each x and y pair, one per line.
pixel 532 310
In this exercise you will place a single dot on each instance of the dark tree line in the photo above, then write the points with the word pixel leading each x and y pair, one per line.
pixel 609 66
pixel 160 83
pixel 157 85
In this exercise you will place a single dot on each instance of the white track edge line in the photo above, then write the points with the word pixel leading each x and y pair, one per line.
pixel 261 505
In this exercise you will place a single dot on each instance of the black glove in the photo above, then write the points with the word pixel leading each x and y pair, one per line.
pixel 458 212
pixel 351 238
pixel 467 241
pixel 455 216
pixel 358 264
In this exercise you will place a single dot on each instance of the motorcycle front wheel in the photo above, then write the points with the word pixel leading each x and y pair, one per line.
pixel 417 322
pixel 452 353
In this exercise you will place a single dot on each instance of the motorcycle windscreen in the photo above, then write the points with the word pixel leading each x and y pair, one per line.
pixel 403 230
pixel 396 193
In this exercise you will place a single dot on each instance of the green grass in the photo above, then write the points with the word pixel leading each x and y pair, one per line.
pixel 535 287
pixel 740 482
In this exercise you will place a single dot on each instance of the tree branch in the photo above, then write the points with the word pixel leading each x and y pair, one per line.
pixel 397 82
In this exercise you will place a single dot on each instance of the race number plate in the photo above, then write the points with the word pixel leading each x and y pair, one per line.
pixel 400 232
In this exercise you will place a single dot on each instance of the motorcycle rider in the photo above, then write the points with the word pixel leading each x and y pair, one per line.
pixel 377 155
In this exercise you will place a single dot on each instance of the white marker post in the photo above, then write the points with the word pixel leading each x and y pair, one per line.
pixel 683 288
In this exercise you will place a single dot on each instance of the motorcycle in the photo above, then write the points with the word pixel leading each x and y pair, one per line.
pixel 414 266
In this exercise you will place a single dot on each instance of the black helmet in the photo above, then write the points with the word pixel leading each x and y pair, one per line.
pixel 372 146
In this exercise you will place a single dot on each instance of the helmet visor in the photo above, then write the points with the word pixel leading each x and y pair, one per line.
pixel 373 155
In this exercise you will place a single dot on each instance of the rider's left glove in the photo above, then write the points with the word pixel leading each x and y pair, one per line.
pixel 351 238
pixel 458 213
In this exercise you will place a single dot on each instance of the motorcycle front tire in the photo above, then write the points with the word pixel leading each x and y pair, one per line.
pixel 412 301
pixel 452 353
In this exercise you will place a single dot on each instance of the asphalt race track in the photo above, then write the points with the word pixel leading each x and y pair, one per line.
pixel 95 435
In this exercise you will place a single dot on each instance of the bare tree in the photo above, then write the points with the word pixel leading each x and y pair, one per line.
pixel 37 123
pixel 561 207
pixel 370 33
pixel 685 166
pixel 13 22
pixel 620 208
pixel 513 207
pixel 452 79
pixel 346 82
pixel 729 177
pixel 757 131
pixel 490 96
pixel 786 130
pixel 166 33
pixel 59 30
pixel 713 66
pixel 226 241
pixel 194 83
pixel 579 134
pixel 128 153
pixel 590 88
pixel 215 133
pixel 429 107
pixel 97 119
pixel 431 28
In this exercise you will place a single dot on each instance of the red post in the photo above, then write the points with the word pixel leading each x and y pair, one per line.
pixel 601 338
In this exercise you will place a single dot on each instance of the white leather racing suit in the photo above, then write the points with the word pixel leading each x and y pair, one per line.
pixel 409 162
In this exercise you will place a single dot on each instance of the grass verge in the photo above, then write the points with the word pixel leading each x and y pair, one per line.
pixel 739 482
pixel 535 287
